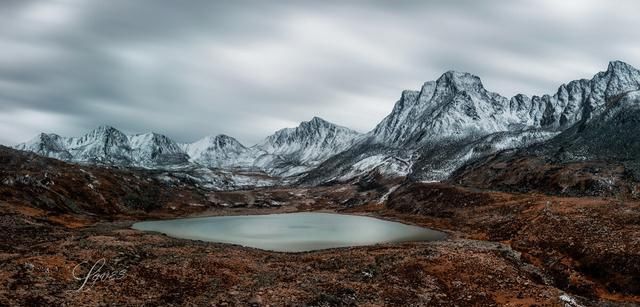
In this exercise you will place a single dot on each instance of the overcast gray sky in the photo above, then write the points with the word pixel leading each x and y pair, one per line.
pixel 247 68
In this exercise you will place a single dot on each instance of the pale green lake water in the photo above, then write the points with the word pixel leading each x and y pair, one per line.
pixel 292 232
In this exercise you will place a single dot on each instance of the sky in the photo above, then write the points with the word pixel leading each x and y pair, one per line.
pixel 188 69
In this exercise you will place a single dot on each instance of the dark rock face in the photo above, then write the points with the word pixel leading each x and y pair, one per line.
pixel 597 157
pixel 64 188
pixel 613 135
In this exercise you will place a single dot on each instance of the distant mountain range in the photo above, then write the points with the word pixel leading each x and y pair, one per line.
pixel 429 134
pixel 107 145
pixel 287 152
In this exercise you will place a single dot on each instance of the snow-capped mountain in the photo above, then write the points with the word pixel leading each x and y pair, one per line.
pixel 220 151
pixel 576 99
pixel 612 135
pixel 287 152
pixel 455 119
pixel 455 106
pixel 48 145
pixel 597 156
pixel 107 145
pixel 293 150
pixel 428 134
pixel 152 149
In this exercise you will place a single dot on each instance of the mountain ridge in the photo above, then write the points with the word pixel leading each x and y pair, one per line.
pixel 449 121
pixel 287 152
pixel 428 134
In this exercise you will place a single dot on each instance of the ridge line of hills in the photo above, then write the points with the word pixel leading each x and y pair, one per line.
pixel 428 135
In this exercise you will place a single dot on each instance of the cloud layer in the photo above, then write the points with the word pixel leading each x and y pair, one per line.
pixel 248 68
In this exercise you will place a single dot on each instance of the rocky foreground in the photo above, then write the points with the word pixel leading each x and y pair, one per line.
pixel 66 227
pixel 514 249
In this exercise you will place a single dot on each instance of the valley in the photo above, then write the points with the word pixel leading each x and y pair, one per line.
pixel 520 248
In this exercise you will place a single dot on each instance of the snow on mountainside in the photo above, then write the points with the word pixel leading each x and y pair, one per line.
pixel 220 151
pixel 152 149
pixel 102 145
pixel 598 156
pixel 453 107
pixel 457 106
pixel 107 145
pixel 454 119
pixel 428 134
pixel 48 145
pixel 612 135
pixel 294 150
pixel 287 152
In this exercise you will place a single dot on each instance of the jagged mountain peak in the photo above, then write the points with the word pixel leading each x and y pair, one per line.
pixel 317 123
pixel 453 119
pixel 310 143
pixel 305 132
pixel 620 66
pixel 104 129
pixel 46 136
pixel 316 120
pixel 620 77
pixel 102 132
pixel 150 135
pixel 455 105
pixel 218 141
pixel 149 149
pixel 224 137
pixel 46 144
pixel 459 81
pixel 144 139
pixel 219 151
pixel 618 71
pixel 106 144
pixel 520 97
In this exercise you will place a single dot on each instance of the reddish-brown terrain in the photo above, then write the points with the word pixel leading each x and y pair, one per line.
pixel 523 172
pixel 504 248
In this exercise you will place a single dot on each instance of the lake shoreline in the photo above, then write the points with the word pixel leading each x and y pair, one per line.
pixel 484 258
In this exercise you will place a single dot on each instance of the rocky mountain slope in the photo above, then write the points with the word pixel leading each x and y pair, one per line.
pixel 455 119
pixel 597 156
pixel 58 187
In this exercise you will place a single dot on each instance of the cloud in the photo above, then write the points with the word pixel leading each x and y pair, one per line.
pixel 247 68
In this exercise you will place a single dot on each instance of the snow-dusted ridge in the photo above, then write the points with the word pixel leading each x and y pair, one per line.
pixel 454 119
pixel 291 151
pixel 108 145
pixel 287 152
pixel 428 134
pixel 219 151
